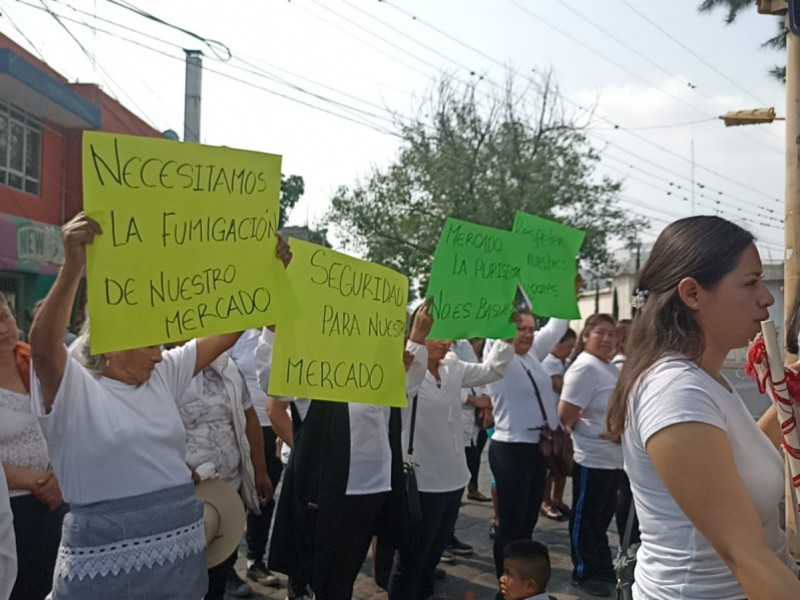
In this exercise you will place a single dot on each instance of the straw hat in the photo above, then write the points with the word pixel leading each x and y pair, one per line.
pixel 223 519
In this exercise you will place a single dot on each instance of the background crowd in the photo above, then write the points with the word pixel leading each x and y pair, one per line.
pixel 101 453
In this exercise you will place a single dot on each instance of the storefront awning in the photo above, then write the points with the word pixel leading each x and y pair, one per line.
pixel 29 246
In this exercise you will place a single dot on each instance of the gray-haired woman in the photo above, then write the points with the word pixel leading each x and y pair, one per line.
pixel 116 443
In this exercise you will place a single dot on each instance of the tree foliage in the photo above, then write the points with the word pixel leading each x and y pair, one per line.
pixel 481 158
pixel 733 8
pixel 292 188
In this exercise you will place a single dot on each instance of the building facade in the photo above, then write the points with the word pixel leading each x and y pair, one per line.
pixel 42 119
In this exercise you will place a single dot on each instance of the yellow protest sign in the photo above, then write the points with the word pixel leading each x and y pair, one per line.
pixel 344 340
pixel 188 243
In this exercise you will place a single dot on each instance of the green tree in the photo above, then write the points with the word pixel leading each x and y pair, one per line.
pixel 481 158
pixel 292 188
pixel 734 7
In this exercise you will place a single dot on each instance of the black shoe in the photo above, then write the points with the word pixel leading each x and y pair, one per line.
pixel 259 573
pixel 593 587
pixel 236 586
pixel 459 548
pixel 439 574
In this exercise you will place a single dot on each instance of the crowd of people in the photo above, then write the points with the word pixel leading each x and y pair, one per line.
pixel 102 453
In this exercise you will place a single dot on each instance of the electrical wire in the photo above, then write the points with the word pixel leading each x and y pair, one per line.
pixel 691 52
pixel 597 115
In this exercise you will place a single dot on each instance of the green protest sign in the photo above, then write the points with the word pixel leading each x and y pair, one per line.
pixel 548 265
pixel 474 277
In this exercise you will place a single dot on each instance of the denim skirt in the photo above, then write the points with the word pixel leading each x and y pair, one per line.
pixel 146 547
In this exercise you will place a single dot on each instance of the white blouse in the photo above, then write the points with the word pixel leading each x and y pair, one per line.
pixel 517 415
pixel 21 441
pixel 439 460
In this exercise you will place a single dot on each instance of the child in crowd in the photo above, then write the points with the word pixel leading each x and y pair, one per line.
pixel 526 571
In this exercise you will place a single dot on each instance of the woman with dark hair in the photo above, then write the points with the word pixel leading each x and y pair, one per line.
pixel 588 384
pixel 683 428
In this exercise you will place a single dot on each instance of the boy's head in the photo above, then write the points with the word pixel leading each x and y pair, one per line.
pixel 526 569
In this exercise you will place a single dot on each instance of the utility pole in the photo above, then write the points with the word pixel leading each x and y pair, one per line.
pixel 692 172
pixel 791 263
pixel 791 203
pixel 191 110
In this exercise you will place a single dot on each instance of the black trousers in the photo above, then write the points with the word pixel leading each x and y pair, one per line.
pixel 218 577
pixel 473 453
pixel 258 525
pixel 360 515
pixel 38 533
pixel 520 475
pixel 416 562
pixel 594 497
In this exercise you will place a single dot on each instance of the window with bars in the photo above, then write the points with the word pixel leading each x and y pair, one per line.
pixel 20 149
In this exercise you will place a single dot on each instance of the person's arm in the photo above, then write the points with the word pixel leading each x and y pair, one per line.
pixel 580 384
pixel 20 478
pixel 568 414
pixel 491 369
pixel 255 438
pixel 481 401
pixel 548 336
pixel 420 328
pixel 693 455
pixel 209 348
pixel 48 352
pixel 558 383
pixel 768 423
pixel 278 411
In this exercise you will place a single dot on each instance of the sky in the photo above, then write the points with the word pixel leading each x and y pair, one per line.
pixel 321 82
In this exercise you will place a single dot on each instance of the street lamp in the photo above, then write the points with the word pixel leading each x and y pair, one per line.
pixel 754 116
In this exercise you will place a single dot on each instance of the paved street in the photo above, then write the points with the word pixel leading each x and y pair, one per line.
pixel 474 572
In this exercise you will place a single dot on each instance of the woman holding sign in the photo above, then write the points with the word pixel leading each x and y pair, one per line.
pixel 521 401
pixel 343 484
pixel 439 460
pixel 683 427
pixel 116 442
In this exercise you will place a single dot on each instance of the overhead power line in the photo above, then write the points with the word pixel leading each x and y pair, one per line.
pixel 602 118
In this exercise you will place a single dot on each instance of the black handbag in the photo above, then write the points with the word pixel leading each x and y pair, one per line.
pixel 409 477
pixel 625 564
pixel 555 445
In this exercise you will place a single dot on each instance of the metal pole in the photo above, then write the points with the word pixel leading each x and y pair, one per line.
pixel 194 81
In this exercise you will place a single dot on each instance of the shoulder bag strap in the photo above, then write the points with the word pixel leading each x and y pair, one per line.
pixel 538 395
pixel 626 539
pixel 413 425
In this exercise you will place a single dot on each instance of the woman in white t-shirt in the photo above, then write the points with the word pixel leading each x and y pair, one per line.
pixel 596 476
pixel 117 445
pixel 706 479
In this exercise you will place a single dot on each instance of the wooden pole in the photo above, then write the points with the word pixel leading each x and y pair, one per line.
pixel 791 264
